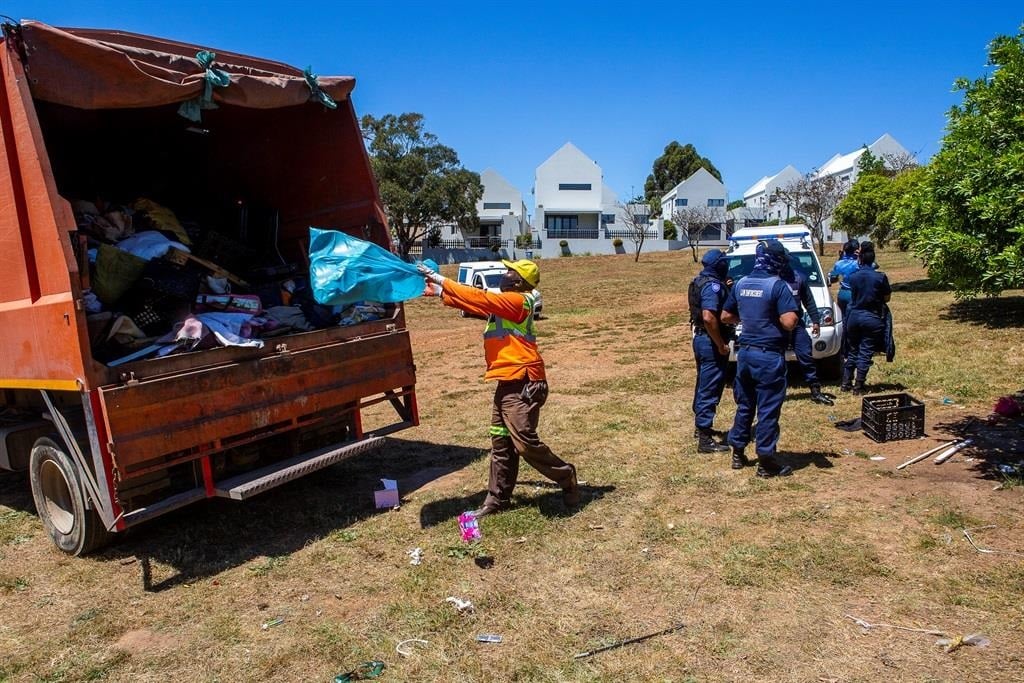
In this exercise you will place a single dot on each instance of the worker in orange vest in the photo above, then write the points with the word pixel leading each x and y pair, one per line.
pixel 510 349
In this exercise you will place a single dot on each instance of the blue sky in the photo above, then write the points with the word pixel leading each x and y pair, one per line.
pixel 754 86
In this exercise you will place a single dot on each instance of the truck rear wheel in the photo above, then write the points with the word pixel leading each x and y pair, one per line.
pixel 60 500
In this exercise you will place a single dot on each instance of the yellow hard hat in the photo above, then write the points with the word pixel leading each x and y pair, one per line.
pixel 526 268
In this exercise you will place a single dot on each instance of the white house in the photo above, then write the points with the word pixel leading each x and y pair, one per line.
pixel 704 191
pixel 758 197
pixel 501 213
pixel 845 167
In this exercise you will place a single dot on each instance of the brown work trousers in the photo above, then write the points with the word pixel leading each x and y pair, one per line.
pixel 513 434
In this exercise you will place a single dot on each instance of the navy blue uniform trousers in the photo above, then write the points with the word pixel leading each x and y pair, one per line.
pixel 761 384
pixel 804 354
pixel 711 368
pixel 865 336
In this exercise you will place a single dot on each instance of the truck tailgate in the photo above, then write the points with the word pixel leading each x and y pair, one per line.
pixel 181 416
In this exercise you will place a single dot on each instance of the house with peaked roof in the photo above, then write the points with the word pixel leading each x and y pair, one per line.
pixel 845 167
pixel 758 197
pixel 501 216
pixel 704 191
pixel 574 206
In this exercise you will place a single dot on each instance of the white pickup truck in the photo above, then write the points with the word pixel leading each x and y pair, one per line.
pixel 487 275
pixel 797 240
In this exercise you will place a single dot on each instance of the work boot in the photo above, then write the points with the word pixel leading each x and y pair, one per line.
pixel 717 433
pixel 571 493
pixel 739 459
pixel 859 389
pixel 768 467
pixel 488 509
pixel 818 396
pixel 847 384
pixel 706 443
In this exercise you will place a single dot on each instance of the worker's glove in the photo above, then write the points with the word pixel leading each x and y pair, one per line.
pixel 432 290
pixel 431 275
pixel 815 330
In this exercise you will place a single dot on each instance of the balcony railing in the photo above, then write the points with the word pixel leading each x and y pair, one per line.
pixel 627 234
pixel 573 233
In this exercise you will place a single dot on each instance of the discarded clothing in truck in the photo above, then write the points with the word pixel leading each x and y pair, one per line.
pixel 192 333
pixel 229 303
pixel 149 245
pixel 345 270
pixel 292 316
pixel 362 312
pixel 116 272
pixel 162 218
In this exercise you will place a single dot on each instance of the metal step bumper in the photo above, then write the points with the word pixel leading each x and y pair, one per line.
pixel 252 483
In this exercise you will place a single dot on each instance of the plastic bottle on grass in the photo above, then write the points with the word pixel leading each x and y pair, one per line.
pixel 469 528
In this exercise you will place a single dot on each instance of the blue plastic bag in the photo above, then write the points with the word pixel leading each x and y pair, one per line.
pixel 344 270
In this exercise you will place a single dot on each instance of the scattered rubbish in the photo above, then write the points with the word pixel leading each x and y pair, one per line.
pixel 415 556
pixel 319 612
pixel 128 560
pixel 388 496
pixel 877 457
pixel 919 458
pixel 990 551
pixel 853 425
pixel 469 528
pixel 1007 407
pixel 488 638
pixel 645 550
pixel 866 626
pixel 521 539
pixel 949 452
pixel 629 641
pixel 267 625
pixel 954 644
pixel 462 606
pixel 947 401
pixel 404 647
pixel 364 671
pixel 1011 469
pixel 304 597
pixel 595 527
pixel 671 526
pixel 483 561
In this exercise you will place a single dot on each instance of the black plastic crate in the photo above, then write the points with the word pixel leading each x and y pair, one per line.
pixel 892 417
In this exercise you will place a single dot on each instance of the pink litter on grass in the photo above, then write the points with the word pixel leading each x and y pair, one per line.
pixel 469 528
pixel 1007 407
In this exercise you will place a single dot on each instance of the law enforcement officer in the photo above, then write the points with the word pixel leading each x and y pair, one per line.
pixel 801 289
pixel 865 329
pixel 706 295
pixel 765 305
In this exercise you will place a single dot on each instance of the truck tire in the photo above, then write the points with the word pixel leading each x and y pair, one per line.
pixel 60 499
pixel 831 368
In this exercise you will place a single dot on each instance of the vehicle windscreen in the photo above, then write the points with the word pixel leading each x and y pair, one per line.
pixel 493 280
pixel 802 261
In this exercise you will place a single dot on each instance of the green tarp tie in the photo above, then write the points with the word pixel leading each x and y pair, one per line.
pixel 316 93
pixel 213 78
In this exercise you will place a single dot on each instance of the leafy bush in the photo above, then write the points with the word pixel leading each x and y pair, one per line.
pixel 670 231
pixel 563 244
pixel 617 242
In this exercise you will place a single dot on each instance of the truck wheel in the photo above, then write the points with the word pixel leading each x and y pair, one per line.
pixel 60 500
pixel 831 368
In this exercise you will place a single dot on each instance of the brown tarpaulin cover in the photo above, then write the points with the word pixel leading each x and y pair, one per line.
pixel 99 69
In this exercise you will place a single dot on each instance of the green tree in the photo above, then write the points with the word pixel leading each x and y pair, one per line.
pixel 874 202
pixel 670 232
pixel 869 164
pixel 676 164
pixel 422 183
pixel 734 204
pixel 972 197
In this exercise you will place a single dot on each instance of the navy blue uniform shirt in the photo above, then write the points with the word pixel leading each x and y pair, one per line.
pixel 759 299
pixel 868 290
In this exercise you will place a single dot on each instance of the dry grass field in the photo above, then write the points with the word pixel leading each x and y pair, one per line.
pixel 762 573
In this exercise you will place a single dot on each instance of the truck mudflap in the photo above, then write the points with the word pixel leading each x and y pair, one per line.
pixel 165 420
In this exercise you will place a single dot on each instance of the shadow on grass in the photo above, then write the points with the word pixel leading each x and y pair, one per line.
pixel 799 461
pixel 922 285
pixel 205 539
pixel 548 504
pixel 998 442
pixel 15 492
pixel 993 313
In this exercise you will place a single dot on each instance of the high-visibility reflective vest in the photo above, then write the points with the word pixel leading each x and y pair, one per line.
pixel 510 341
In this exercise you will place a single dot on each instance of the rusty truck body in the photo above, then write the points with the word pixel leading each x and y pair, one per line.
pixel 108 446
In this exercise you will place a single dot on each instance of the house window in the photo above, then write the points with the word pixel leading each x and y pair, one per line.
pixel 608 218
pixel 682 202
pixel 716 202
pixel 497 205
pixel 574 186
pixel 561 223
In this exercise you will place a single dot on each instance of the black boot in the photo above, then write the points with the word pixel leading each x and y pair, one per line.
pixel 858 388
pixel 847 384
pixel 768 467
pixel 818 396
pixel 739 459
pixel 706 443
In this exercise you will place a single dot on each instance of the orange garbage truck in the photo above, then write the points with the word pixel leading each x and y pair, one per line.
pixel 160 343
